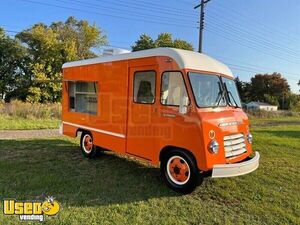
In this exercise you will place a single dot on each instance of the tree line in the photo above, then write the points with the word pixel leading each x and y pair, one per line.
pixel 270 88
pixel 30 62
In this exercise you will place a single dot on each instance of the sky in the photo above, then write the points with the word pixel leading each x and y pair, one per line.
pixel 257 36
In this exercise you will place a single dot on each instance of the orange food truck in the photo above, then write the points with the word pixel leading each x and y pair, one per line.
pixel 174 108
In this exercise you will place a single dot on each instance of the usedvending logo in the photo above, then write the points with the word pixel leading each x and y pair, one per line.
pixel 31 210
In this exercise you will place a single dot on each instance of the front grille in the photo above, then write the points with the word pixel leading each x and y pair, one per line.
pixel 234 145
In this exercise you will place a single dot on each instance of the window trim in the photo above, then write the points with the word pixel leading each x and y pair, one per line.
pixel 67 85
pixel 161 82
pixel 155 82
pixel 85 93
pixel 207 74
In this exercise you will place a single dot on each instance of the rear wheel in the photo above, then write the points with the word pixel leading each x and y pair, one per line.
pixel 180 171
pixel 87 146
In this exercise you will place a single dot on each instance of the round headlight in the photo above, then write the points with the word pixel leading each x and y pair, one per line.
pixel 250 138
pixel 214 147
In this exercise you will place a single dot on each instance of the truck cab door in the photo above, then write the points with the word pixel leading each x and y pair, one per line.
pixel 142 111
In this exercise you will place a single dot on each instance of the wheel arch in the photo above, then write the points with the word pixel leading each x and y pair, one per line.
pixel 170 148
pixel 81 130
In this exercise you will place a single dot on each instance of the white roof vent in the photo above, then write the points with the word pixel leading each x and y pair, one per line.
pixel 114 51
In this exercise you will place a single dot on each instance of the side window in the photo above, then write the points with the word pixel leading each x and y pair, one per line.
pixel 144 87
pixel 172 88
pixel 83 97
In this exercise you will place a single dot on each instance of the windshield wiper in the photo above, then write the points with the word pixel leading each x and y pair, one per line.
pixel 229 93
pixel 218 100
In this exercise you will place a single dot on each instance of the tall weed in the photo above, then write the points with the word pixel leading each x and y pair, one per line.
pixel 31 110
pixel 271 114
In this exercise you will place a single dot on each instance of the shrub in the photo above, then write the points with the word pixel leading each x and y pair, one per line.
pixel 271 114
pixel 31 110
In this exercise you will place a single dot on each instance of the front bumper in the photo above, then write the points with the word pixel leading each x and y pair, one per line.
pixel 236 169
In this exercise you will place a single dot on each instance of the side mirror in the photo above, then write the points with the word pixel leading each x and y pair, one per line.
pixel 183 107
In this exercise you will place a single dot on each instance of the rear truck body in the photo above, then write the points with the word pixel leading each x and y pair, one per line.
pixel 174 108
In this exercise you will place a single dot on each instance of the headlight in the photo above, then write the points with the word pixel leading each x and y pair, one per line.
pixel 250 138
pixel 214 147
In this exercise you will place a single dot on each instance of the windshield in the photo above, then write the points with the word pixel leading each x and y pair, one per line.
pixel 233 95
pixel 213 91
pixel 208 90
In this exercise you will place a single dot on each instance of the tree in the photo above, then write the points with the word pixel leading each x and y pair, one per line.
pixel 270 88
pixel 181 44
pixel 51 46
pixel 291 101
pixel 244 89
pixel 145 42
pixel 12 64
pixel 271 99
pixel 80 35
pixel 265 85
pixel 163 40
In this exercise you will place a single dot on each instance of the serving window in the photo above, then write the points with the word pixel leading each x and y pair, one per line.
pixel 83 97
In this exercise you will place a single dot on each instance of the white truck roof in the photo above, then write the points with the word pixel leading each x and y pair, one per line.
pixel 185 60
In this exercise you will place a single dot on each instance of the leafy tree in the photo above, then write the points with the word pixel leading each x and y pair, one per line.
pixel 244 89
pixel 263 85
pixel 291 101
pixel 296 108
pixel 12 65
pixel 270 88
pixel 181 44
pixel 163 40
pixel 79 36
pixel 51 46
pixel 271 99
pixel 145 42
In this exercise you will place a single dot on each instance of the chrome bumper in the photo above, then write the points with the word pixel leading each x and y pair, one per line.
pixel 236 169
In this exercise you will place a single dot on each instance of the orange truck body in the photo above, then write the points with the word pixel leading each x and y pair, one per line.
pixel 146 130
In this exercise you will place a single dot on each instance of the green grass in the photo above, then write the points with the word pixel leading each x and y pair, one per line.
pixel 275 121
pixel 118 190
pixel 16 123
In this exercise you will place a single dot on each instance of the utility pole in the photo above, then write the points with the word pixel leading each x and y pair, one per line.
pixel 202 5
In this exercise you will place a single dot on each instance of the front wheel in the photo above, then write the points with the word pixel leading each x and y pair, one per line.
pixel 87 146
pixel 180 172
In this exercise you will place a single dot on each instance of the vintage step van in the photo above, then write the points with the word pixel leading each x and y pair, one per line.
pixel 174 108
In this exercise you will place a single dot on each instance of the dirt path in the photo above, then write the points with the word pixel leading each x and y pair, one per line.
pixel 22 134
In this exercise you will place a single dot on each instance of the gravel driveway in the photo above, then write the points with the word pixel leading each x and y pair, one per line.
pixel 22 134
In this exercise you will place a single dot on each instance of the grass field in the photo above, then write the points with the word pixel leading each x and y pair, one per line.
pixel 15 123
pixel 27 116
pixel 259 122
pixel 116 190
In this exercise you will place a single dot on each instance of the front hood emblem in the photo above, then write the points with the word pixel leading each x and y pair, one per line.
pixel 227 124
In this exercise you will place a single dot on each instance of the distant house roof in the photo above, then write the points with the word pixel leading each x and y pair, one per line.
pixel 260 104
